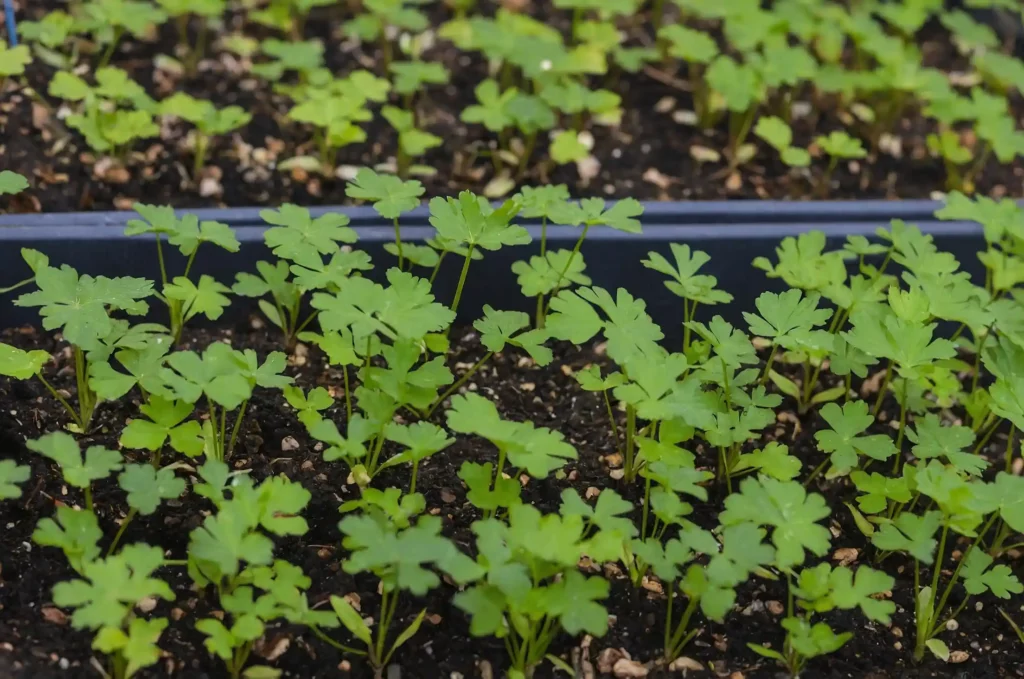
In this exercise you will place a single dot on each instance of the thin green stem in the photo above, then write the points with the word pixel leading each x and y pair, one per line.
pixel 398 244
pixel 960 564
pixel 348 394
pixel 222 433
pixel 630 442
pixel 768 364
pixel 235 429
pixel 108 53
pixel 939 558
pixel 462 279
pixel 816 472
pixel 1010 442
pixel 458 383
pixel 988 435
pixel 86 400
pixel 17 285
pixel 903 427
pixel 63 401
pixel 568 262
pixel 437 267
pixel 882 388
pixel 647 504
pixel 611 418
pixel 319 633
pixel 977 361
pixel 200 155
pixel 120 531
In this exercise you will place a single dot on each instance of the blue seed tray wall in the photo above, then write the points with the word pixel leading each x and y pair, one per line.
pixel 732 233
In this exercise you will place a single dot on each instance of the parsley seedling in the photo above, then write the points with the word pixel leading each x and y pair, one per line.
pixel 104 600
pixel 499 329
pixel 80 306
pixel 226 378
pixel 11 475
pixel 202 12
pixel 470 222
pixel 184 298
pixel 695 288
pixel 301 241
pixel 530 588
pixel 537 451
pixel 208 120
pixel 401 558
pixel 820 590
pixel 391 196
pixel 962 505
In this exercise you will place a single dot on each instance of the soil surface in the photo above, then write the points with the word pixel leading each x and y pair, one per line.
pixel 37 642
pixel 650 155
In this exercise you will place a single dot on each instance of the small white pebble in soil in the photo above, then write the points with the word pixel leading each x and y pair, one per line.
pixel 616 153
pixel 957 657
pixel 952 625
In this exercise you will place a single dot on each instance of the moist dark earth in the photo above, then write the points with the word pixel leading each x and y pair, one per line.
pixel 649 156
pixel 36 641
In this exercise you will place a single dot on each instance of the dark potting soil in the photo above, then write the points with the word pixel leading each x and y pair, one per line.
pixel 649 156
pixel 37 642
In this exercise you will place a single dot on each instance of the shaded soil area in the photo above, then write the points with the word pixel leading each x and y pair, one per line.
pixel 653 154
pixel 37 642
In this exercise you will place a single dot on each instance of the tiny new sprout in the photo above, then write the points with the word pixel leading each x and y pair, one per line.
pixel 286 15
pixel 537 451
pixel 104 600
pixel 78 469
pixel 335 120
pixel 302 57
pixel 109 20
pixel 106 126
pixel 838 146
pixel 301 241
pixel 381 15
pixel 208 120
pixel 696 49
pixel 741 89
pixel 12 475
pixel 402 557
pixel 184 298
pixel 591 212
pixel 410 78
pixel 13 61
pixel 53 39
pixel 391 196
pixel 413 142
pixel 712 588
pixel 820 590
pixel 204 11
pixel 777 134
pixel 11 183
